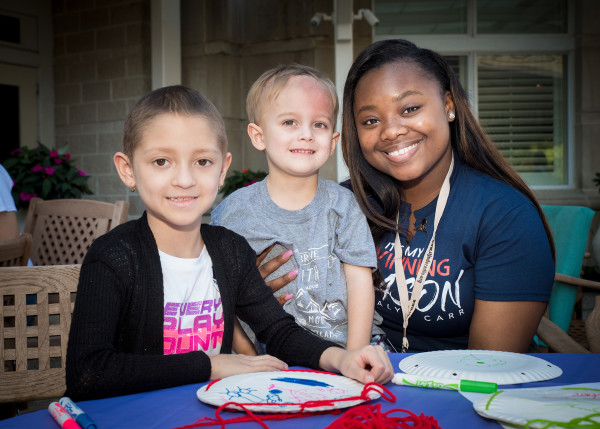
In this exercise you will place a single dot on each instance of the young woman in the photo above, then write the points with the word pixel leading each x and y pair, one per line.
pixel 465 254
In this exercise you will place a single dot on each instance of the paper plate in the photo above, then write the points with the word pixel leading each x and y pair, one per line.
pixel 521 406
pixel 284 391
pixel 480 365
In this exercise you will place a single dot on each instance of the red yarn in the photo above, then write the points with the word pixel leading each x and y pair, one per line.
pixel 359 417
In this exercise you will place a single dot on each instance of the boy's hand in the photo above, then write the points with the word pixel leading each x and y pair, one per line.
pixel 269 267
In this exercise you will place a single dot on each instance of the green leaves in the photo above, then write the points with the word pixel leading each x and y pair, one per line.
pixel 241 179
pixel 45 173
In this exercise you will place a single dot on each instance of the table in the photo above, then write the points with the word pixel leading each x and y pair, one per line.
pixel 178 406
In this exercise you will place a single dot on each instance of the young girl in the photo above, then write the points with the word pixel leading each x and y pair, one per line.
pixel 157 297
pixel 293 111
pixel 452 221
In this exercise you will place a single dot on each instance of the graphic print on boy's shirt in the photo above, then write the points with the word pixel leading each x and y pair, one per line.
pixel 440 299
pixel 193 312
pixel 312 308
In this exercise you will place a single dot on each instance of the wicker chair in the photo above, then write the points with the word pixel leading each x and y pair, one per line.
pixel 15 252
pixel 34 336
pixel 63 230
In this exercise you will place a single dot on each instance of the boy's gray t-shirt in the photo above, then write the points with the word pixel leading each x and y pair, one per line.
pixel 329 231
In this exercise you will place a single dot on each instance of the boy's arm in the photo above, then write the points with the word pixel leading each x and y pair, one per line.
pixel 241 343
pixel 361 305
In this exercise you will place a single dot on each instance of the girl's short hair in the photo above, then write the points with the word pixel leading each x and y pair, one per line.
pixel 175 99
pixel 268 86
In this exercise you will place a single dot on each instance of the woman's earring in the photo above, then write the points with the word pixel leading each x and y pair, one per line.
pixel 451 116
pixel 132 188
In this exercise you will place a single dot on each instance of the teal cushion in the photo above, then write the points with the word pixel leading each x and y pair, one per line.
pixel 570 227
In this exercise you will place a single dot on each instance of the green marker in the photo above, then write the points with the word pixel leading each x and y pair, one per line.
pixel 444 383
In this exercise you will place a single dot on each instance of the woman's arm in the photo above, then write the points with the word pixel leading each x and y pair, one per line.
pixel 269 267
pixel 361 305
pixel 505 325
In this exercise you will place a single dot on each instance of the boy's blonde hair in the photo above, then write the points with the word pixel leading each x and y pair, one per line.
pixel 268 86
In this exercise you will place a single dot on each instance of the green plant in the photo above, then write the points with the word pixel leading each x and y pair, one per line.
pixel 45 173
pixel 239 180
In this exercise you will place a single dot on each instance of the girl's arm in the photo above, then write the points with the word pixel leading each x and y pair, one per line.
pixel 361 305
pixel 241 343
pixel 504 325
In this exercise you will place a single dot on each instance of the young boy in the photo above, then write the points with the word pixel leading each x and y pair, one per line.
pixel 292 112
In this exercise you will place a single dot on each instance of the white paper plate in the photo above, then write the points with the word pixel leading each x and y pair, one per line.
pixel 520 406
pixel 480 365
pixel 285 390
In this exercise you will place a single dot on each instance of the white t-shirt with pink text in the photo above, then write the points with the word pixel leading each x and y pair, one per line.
pixel 193 314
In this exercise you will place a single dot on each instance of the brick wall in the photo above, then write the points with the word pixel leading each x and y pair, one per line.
pixel 101 68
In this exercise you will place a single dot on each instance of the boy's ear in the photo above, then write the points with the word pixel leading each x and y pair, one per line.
pixel 125 169
pixel 256 136
pixel 334 141
pixel 224 168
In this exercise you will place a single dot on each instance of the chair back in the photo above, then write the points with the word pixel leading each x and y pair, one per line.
pixel 63 230
pixel 570 227
pixel 35 317
pixel 15 252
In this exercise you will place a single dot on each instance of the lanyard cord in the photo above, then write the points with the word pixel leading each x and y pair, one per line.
pixel 408 306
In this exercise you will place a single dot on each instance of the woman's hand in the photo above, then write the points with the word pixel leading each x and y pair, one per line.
pixel 269 267
pixel 367 364
pixel 226 365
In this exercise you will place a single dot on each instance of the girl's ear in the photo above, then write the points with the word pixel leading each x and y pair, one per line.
pixel 224 168
pixel 450 109
pixel 125 169
pixel 256 136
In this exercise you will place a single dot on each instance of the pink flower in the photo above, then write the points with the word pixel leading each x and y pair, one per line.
pixel 26 196
pixel 58 161
pixel 67 156
pixel 53 153
pixel 81 173
pixel 37 168
pixel 49 171
pixel 251 183
pixel 15 151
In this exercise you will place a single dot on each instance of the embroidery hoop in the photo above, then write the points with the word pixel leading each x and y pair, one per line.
pixel 288 391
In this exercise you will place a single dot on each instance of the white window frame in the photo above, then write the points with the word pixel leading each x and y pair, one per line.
pixel 472 44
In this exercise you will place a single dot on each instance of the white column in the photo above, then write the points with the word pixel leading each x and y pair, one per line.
pixel 166 43
pixel 343 19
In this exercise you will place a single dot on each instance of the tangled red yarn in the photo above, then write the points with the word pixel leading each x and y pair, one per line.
pixel 358 417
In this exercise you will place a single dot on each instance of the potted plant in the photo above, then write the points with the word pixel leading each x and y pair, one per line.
pixel 45 173
pixel 241 179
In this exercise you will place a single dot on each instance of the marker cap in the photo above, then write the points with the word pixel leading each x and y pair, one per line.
pixel 478 386
pixel 85 422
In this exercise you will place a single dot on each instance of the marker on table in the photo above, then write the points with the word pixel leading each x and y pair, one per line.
pixel 444 383
pixel 77 413
pixel 61 416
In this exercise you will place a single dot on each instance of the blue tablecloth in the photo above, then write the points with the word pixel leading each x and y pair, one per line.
pixel 170 408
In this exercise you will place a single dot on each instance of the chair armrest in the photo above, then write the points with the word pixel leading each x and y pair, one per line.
pixel 557 339
pixel 576 281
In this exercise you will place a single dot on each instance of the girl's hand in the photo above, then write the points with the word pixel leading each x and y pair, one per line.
pixel 226 365
pixel 269 267
pixel 367 364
